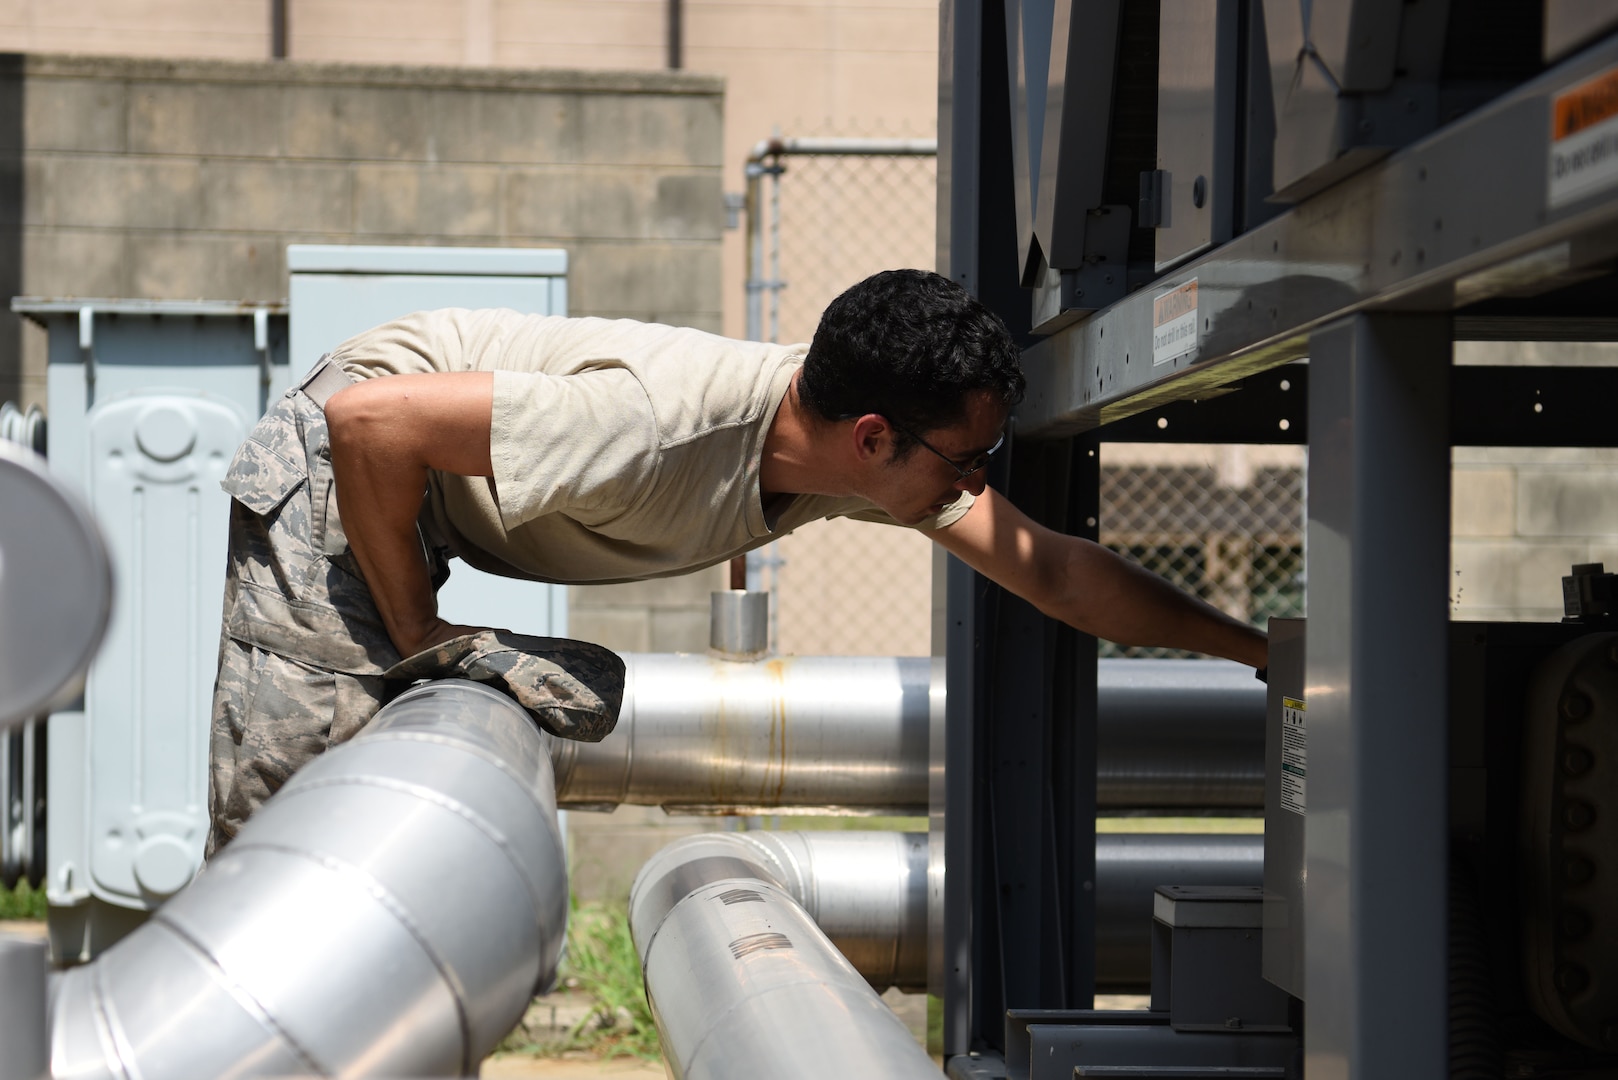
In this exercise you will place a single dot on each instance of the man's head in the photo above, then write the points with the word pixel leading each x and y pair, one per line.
pixel 914 347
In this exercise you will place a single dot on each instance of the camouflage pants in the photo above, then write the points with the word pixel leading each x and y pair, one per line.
pixel 302 647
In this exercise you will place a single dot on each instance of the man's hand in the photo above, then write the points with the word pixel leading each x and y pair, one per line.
pixel 386 434
pixel 1090 588
pixel 437 633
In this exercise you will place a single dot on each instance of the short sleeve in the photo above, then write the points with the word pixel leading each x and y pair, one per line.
pixel 952 513
pixel 583 443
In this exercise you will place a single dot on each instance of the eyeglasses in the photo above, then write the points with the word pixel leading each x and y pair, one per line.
pixel 975 465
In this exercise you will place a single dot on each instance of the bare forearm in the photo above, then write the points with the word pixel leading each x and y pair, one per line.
pixel 1108 596
pixel 385 436
pixel 384 541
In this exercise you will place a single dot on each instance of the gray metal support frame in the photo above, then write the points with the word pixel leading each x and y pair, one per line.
pixel 1375 841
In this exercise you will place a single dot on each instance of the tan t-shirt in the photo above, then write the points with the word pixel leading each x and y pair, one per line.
pixel 621 450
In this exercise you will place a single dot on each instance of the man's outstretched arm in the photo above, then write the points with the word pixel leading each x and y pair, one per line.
pixel 386 434
pixel 1088 587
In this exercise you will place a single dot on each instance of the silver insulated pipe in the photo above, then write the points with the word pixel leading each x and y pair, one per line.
pixel 825 734
pixel 867 891
pixel 697 733
pixel 388 913
pixel 742 981
pixel 701 734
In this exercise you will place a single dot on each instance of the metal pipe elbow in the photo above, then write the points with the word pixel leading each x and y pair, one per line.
pixel 742 981
pixel 423 859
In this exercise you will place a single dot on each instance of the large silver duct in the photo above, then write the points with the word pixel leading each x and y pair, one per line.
pixel 422 861
pixel 743 983
pixel 700 734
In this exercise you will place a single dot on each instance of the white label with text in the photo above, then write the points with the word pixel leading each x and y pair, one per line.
pixel 1174 323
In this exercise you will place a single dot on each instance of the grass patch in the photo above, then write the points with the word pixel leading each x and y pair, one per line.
pixel 23 902
pixel 1180 825
pixel 601 964
pixel 816 823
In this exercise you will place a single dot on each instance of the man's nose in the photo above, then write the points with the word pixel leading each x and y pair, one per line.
pixel 974 483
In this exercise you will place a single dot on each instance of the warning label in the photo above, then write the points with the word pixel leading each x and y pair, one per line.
pixel 1584 140
pixel 1294 756
pixel 1174 323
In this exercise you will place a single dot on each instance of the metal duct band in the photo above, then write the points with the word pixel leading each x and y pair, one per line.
pixel 743 983
pixel 824 734
pixel 388 913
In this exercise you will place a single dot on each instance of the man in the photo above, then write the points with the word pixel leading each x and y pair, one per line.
pixel 584 451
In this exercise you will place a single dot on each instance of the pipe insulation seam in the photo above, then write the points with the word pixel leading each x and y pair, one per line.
pixel 418 791
pixel 346 868
pixel 401 914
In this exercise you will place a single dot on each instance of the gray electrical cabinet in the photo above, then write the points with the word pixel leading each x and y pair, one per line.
pixel 148 402
pixel 338 291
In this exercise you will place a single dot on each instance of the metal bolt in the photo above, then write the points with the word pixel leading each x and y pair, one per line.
pixel 1578 815
pixel 1571 979
pixel 1576 761
pixel 1575 706
pixel 1574 924
pixel 1578 870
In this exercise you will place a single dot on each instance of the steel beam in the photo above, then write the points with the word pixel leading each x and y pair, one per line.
pixel 1416 231
pixel 1376 686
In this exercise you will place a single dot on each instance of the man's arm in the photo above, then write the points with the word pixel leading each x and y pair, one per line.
pixel 1088 587
pixel 386 433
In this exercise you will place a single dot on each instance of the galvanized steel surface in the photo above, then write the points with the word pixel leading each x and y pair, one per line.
pixel 743 983
pixel 700 734
pixel 1175 734
pixel 1131 866
pixel 23 1037
pixel 867 891
pixel 388 913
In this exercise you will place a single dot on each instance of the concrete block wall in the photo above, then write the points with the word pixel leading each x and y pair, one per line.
pixel 147 178
pixel 183 179
pixel 1522 517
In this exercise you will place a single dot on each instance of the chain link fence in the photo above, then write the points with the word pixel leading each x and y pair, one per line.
pixel 824 212
pixel 1223 522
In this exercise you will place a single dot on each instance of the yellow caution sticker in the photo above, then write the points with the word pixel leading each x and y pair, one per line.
pixel 1584 140
pixel 1294 755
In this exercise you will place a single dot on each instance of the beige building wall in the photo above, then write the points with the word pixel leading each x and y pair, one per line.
pixel 809 67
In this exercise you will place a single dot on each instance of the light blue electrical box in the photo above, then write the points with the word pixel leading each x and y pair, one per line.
pixel 148 402
pixel 338 291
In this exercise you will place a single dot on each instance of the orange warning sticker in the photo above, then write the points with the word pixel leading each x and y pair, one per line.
pixel 1585 106
pixel 1584 140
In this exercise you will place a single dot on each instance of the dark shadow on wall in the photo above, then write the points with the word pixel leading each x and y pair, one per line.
pixel 11 212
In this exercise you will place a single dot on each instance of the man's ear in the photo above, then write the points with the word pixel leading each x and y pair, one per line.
pixel 873 437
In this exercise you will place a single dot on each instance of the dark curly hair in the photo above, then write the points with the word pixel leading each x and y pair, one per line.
pixel 910 345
